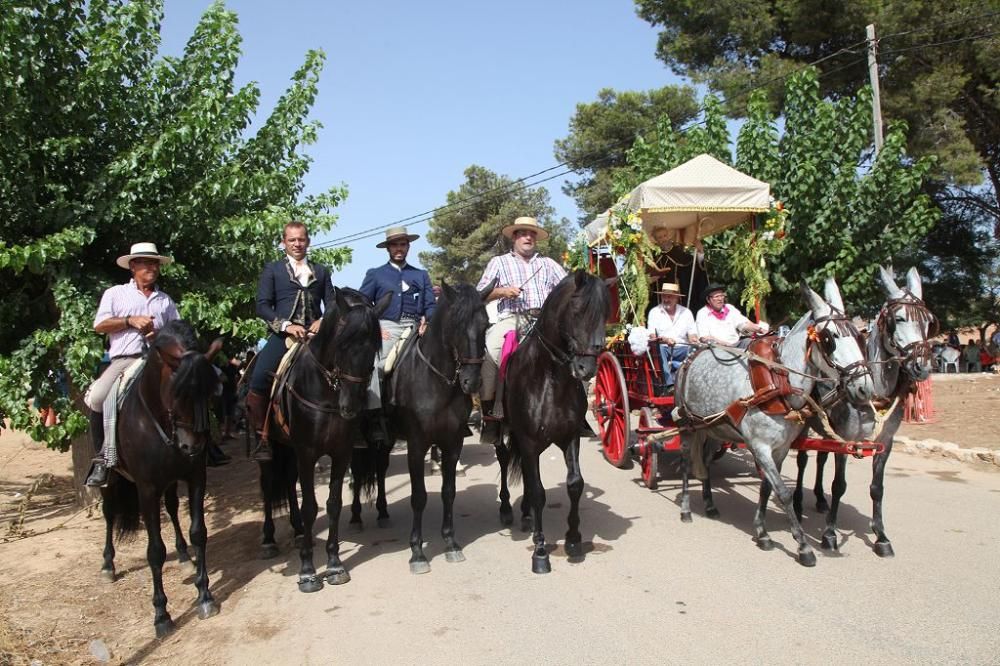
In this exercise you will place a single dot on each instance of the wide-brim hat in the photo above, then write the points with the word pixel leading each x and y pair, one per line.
pixel 143 251
pixel 395 233
pixel 670 288
pixel 529 223
pixel 711 289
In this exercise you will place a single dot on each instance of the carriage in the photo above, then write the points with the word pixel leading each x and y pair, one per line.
pixel 630 406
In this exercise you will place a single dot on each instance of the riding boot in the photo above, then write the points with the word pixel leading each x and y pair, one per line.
pixel 490 433
pixel 257 405
pixel 98 475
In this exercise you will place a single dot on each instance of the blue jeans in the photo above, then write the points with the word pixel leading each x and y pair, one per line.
pixel 671 358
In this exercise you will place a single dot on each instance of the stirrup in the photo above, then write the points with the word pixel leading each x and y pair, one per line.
pixel 98 475
pixel 263 451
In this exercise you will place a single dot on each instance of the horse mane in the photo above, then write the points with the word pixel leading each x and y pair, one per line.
pixel 592 304
pixel 458 306
pixel 195 379
pixel 354 325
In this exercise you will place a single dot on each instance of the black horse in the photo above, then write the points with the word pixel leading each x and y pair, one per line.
pixel 162 432
pixel 431 387
pixel 321 395
pixel 545 401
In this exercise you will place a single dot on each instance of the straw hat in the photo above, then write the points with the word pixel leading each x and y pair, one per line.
pixel 525 223
pixel 395 233
pixel 143 251
pixel 670 288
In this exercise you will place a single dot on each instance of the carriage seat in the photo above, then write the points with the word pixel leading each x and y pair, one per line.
pixel 770 385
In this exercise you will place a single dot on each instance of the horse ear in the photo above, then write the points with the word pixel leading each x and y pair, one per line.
pixel 813 301
pixel 340 299
pixel 832 293
pixel 914 284
pixel 888 281
pixel 383 304
pixel 447 290
pixel 214 348
pixel 484 293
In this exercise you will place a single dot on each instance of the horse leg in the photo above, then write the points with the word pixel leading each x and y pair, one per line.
pixel 356 523
pixel 450 453
pixel 801 460
pixel 268 547
pixel 156 554
pixel 382 468
pixel 687 448
pixel 108 509
pixel 415 453
pixel 837 491
pixel 821 505
pixel 308 580
pixel 882 546
pixel 336 573
pixel 199 539
pixel 171 503
pixel 711 511
pixel 761 536
pixel 506 510
pixel 772 473
pixel 533 481
pixel 574 487
pixel 294 513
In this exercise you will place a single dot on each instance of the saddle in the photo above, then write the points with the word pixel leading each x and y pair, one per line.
pixel 398 350
pixel 278 395
pixel 770 384
pixel 113 402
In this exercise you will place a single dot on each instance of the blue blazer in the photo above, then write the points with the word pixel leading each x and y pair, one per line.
pixel 417 300
pixel 281 298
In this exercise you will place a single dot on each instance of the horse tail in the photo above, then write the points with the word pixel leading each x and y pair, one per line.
pixel 364 470
pixel 278 476
pixel 516 466
pixel 121 498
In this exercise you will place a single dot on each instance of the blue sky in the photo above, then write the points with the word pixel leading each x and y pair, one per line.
pixel 413 93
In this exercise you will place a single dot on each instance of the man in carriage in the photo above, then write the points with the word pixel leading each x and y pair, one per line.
pixel 672 325
pixel 723 324
pixel 524 280
pixel 289 295
pixel 676 264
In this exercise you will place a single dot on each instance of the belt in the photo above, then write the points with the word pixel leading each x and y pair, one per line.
pixel 409 317
pixel 115 358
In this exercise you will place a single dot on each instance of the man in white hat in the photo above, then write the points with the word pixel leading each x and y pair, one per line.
pixel 672 325
pixel 524 280
pixel 412 305
pixel 128 314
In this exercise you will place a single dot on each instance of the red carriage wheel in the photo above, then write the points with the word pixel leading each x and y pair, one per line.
pixel 649 459
pixel 611 410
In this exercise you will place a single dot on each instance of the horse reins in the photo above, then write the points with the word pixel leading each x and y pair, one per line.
pixel 456 357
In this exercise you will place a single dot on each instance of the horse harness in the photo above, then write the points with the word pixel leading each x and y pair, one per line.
pixel 457 358
pixel 915 310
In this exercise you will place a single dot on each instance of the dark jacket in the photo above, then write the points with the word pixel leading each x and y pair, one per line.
pixel 417 300
pixel 281 298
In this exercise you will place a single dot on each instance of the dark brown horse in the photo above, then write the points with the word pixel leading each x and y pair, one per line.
pixel 545 401
pixel 162 431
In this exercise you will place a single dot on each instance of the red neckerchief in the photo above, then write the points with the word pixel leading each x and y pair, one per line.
pixel 721 314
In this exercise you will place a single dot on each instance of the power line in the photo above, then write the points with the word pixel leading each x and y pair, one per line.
pixel 972 38
pixel 939 24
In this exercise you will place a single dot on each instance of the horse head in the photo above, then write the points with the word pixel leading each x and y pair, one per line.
pixel 575 313
pixel 187 381
pixel 346 344
pixel 834 348
pixel 905 324
pixel 462 321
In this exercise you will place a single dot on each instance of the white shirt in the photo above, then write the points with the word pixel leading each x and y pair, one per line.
pixel 725 330
pixel 301 270
pixel 677 327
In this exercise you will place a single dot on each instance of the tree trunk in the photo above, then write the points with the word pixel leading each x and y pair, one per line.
pixel 82 452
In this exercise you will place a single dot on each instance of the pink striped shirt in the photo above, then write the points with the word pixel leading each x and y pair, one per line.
pixel 125 300
pixel 536 277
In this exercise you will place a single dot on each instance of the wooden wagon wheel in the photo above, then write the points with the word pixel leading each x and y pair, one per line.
pixel 611 410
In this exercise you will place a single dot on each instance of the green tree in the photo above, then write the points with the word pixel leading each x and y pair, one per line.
pixel 467 233
pixel 104 144
pixel 601 132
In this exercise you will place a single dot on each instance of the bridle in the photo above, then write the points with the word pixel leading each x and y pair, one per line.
pixel 335 375
pixel 823 341
pixel 174 422
pixel 916 311
pixel 457 359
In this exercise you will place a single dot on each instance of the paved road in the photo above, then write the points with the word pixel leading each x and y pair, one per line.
pixel 650 590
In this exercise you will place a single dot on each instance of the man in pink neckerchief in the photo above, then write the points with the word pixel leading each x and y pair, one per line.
pixel 721 323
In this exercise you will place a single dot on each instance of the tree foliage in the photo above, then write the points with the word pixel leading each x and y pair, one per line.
pixel 468 232
pixel 104 144
pixel 601 132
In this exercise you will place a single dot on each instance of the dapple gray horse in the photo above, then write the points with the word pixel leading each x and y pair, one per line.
pixel 899 355
pixel 822 344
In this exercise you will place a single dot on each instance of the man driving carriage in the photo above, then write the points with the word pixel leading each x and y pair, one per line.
pixel 288 299
pixel 724 324
pixel 672 325
pixel 129 314
pixel 524 280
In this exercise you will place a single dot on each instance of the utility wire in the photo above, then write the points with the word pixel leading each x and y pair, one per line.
pixel 972 38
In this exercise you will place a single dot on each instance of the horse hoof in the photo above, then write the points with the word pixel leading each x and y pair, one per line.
pixel 454 556
pixel 525 523
pixel 188 566
pixel 829 542
pixel 685 516
pixel 338 576
pixel 506 516
pixel 574 550
pixel 712 512
pixel 765 543
pixel 540 564
pixel 207 609
pixel 807 558
pixel 164 627
pixel 822 506
pixel 108 575
pixel 384 522
pixel 309 584
pixel 420 567
pixel 883 549
pixel 269 550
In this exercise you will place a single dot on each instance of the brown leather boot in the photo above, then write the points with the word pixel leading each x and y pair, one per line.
pixel 490 432
pixel 257 405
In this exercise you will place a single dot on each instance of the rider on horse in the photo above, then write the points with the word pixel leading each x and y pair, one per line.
pixel 524 281
pixel 129 314
pixel 723 324
pixel 288 299
pixel 412 305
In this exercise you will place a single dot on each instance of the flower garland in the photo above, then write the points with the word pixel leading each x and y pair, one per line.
pixel 749 252
pixel 630 241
